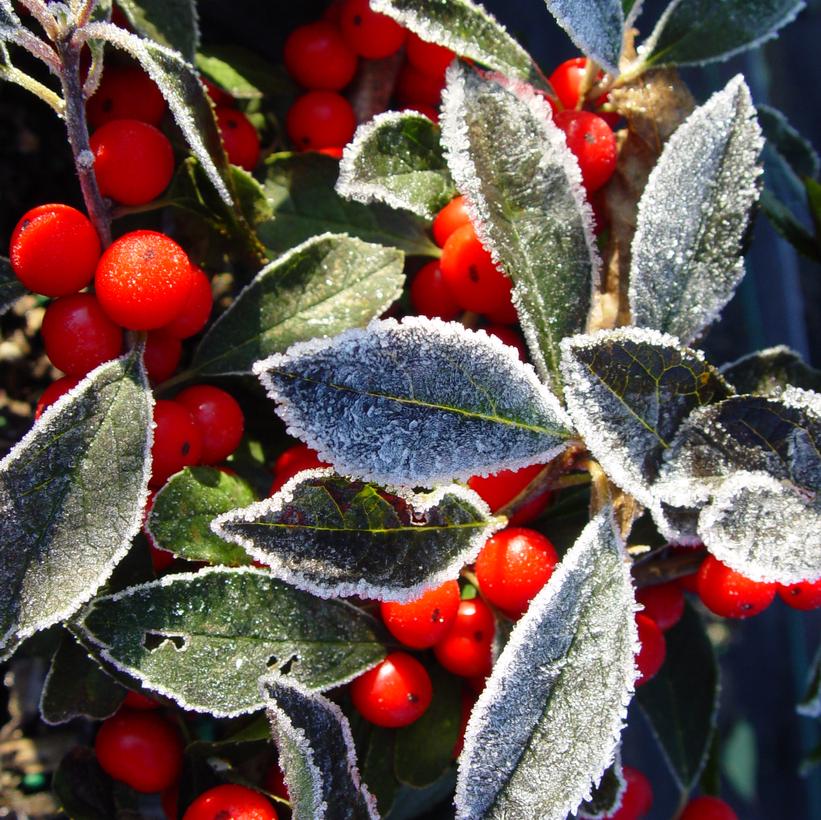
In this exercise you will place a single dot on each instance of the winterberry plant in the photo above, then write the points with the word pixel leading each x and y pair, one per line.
pixel 380 446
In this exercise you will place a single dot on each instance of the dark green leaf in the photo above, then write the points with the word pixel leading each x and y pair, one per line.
pixel 235 625
pixel 788 226
pixel 769 372
pixel 607 796
pixel 810 703
pixel 182 512
pixel 84 790
pixel 172 23
pixel 242 73
pixel 795 148
pixel 11 289
pixel 595 27
pixel 322 287
pixel 71 497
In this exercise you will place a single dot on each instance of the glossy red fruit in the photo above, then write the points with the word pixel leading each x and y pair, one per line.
pixel 421 623
pixel 454 215
pixel 653 649
pixel 162 354
pixel 318 58
pixel 53 392
pixel 729 594
pixel 804 595
pixel 501 488
pixel 320 118
pixel 413 86
pixel 504 313
pixel 593 143
pixel 143 280
pixel 465 648
pixel 137 700
pixel 54 250
pixel 513 566
pixel 231 802
pixel 239 137
pixel 430 295
pixel 133 161
pixel 708 808
pixel 292 461
pixel 126 94
pixel 141 749
pixel 333 151
pixel 637 798
pixel 368 33
pixel 78 335
pixel 567 79
pixel 219 417
pixel 428 58
pixel 395 693
pixel 511 338
pixel 663 603
pixel 274 782
pixel 177 441
pixel 197 309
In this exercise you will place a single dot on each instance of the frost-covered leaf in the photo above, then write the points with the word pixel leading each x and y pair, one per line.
pixel 172 23
pixel 596 28
pixel 336 538
pixel 769 372
pixel 465 28
pixel 317 755
pixel 71 497
pixel 810 703
pixel 182 512
pixel 301 190
pixel 324 286
pixel 397 158
pixel 607 796
pixel 548 722
pixel 204 639
pixel 627 392
pixel 524 187
pixel 11 289
pixel 243 73
pixel 700 31
pixel 681 701
pixel 416 403
pixel 9 21
pixel 785 139
pixel 693 215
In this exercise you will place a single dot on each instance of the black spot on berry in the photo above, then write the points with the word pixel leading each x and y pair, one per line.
pixel 108 104
pixel 186 447
pixel 413 698
pixel 473 274
pixel 357 20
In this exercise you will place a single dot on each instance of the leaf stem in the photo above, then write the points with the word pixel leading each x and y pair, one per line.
pixel 35 46
pixel 13 74
pixel 38 9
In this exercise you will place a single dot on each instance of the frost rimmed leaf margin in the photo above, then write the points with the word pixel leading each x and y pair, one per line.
pixel 347 561
pixel 608 795
pixel 172 23
pixel 11 289
pixel 548 723
pixel 372 403
pixel 693 215
pixel 596 28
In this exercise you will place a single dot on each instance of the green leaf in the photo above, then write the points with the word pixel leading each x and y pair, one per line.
pixel 607 796
pixel 547 724
pixel 397 158
pixel 300 188
pixel 694 32
pixel 72 493
pixel 373 403
pixel 336 538
pixel 681 701
pixel 595 27
pixel 181 515
pixel 810 703
pixel 789 227
pixel 242 73
pixel 739 760
pixel 11 289
pixel 769 372
pixel 530 210
pixel 172 23
pixel 693 215
pixel 324 286
pixel 83 789
pixel 235 625
pixel 795 148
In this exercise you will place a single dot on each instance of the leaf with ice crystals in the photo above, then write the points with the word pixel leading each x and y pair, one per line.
pixel 784 138
pixel 335 538
pixel 317 754
pixel 467 29
pixel 9 21
pixel 595 27
pixel 11 288
pixel 397 158
pixel 71 497
pixel 694 32
pixel 415 403
pixel 182 512
pixel 810 703
pixel 627 391
pixel 547 724
pixel 324 286
pixel 607 796
pixel 693 215
pixel 204 639
pixel 681 702
pixel 524 189
pixel 769 372
pixel 172 23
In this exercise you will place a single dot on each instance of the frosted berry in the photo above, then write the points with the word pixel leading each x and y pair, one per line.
pixel 653 649
pixel 320 118
pixel 804 595
pixel 413 86
pixel 421 623
pixel 197 309
pixel 231 802
pixel 177 441
pixel 465 648
pixel 452 216
pixel 729 594
pixel 162 355
pixel 368 33
pixel 708 808
pixel 593 143
pixel 499 489
pixel 663 603
pixel 219 418
pixel 53 392
pixel 637 798
pixel 126 94
pixel 430 295
pixel 428 58
pixel 239 137
pixel 318 58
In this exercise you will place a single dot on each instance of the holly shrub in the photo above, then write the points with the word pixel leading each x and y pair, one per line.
pixel 316 355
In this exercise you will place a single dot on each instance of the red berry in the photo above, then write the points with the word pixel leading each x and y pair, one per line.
pixel 395 693
pixel 126 94
pixel 803 595
pixel 274 782
pixel 53 392
pixel 566 81
pixel 637 797
pixel 141 749
pixel 425 110
pixel 465 649
pixel 54 250
pixel 466 707
pixel 653 649
pixel 430 295
pixel 230 802
pixel 663 603
pixel 239 137
pixel 294 460
pixel 332 151
pixel 413 86
pixel 320 118
pixel 593 143
pixel 511 338
pixel 217 95
pixel 219 418
pixel 162 355
pixel 501 488
pixel 136 700
pixel 513 566
pixel 452 216
pixel 429 58
pixel 143 280
pixel 177 441
pixel 197 309
pixel 161 559
pixel 708 808
pixel 422 623
pixel 729 594
pixel 369 33
pixel 78 335
pixel 504 313
pixel 318 58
